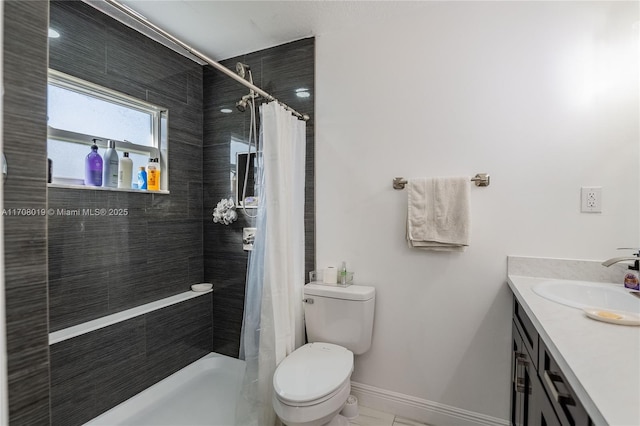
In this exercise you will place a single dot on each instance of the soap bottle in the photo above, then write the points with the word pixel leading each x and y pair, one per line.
pixel 142 178
pixel 93 167
pixel 632 277
pixel 342 274
pixel 125 169
pixel 110 169
pixel 153 174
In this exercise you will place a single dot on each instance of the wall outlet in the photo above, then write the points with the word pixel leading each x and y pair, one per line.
pixel 591 199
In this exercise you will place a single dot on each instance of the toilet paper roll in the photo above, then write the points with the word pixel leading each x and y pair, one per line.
pixel 330 275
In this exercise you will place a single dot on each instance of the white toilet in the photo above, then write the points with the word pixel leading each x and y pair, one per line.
pixel 312 384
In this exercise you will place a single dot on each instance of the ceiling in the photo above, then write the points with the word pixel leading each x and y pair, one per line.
pixel 225 29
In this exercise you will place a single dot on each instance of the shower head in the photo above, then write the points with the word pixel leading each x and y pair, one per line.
pixel 242 69
pixel 242 103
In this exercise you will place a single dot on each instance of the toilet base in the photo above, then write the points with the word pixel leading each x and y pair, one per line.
pixel 338 420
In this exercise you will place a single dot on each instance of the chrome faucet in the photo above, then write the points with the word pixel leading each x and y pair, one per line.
pixel 614 260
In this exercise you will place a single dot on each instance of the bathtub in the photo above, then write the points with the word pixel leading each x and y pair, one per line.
pixel 202 393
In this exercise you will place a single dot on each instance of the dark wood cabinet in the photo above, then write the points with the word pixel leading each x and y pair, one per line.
pixel 522 371
pixel 540 394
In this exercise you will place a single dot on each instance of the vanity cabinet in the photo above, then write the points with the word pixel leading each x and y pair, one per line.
pixel 540 394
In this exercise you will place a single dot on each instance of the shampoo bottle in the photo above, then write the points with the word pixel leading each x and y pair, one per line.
pixel 110 169
pixel 125 170
pixel 142 178
pixel 93 167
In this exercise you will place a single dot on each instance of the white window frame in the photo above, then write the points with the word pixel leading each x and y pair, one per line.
pixel 159 127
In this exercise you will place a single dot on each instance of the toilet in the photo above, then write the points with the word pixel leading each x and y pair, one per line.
pixel 313 383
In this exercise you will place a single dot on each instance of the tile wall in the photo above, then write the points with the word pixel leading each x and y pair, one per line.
pixel 25 244
pixel 280 71
pixel 99 265
pixel 96 371
pixel 104 264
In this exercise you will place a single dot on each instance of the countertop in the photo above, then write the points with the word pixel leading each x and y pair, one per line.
pixel 601 361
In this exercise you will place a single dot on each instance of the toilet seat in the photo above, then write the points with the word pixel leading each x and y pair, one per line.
pixel 312 374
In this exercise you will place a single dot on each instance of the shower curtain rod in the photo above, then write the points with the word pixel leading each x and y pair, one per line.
pixel 226 71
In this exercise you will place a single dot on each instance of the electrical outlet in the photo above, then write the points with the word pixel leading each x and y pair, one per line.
pixel 591 199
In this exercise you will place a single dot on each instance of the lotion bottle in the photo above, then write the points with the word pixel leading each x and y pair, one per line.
pixel 110 169
pixel 93 167
pixel 142 178
pixel 125 170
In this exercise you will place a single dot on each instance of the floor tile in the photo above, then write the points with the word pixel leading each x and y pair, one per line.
pixel 371 417
pixel 401 421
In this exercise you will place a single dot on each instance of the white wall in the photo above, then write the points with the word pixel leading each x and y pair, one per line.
pixel 544 97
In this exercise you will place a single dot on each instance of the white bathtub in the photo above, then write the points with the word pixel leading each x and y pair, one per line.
pixel 203 393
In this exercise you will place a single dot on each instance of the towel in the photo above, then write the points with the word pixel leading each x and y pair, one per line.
pixel 438 213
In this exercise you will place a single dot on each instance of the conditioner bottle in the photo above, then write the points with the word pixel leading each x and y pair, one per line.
pixel 125 170
pixel 110 170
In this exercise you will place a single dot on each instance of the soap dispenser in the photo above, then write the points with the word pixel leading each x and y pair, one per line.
pixel 632 277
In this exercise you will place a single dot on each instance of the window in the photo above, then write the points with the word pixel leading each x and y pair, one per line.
pixel 79 112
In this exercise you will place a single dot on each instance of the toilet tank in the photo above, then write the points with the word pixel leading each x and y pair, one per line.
pixel 340 315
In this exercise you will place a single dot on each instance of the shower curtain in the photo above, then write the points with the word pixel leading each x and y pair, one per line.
pixel 272 326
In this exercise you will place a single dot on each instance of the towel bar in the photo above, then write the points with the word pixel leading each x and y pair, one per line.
pixel 480 179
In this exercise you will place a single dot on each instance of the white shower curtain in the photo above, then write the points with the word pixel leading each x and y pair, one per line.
pixel 272 326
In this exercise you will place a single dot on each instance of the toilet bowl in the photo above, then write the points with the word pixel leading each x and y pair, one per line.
pixel 312 384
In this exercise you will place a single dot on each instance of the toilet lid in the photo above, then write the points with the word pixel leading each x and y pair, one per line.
pixel 312 371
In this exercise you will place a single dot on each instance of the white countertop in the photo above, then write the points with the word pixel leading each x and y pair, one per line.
pixel 601 361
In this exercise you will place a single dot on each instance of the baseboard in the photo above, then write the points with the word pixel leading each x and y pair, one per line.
pixel 422 410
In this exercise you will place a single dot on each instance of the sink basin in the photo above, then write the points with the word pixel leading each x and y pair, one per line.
pixel 585 294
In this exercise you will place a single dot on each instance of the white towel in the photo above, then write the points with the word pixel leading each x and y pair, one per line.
pixel 438 213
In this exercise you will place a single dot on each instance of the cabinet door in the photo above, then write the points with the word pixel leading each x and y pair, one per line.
pixel 527 331
pixel 570 410
pixel 542 410
pixel 522 373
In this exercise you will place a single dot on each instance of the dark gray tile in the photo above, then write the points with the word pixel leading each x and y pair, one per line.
pixel 196 268
pixel 24 136
pixel 146 253
pixel 121 380
pixel 81 49
pixel 83 296
pixel 135 58
pixel 96 371
pixel 73 401
pixel 178 335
